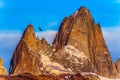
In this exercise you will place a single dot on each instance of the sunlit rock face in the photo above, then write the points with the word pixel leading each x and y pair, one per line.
pixel 3 70
pixel 26 58
pixel 78 47
pixel 118 66
pixel 80 31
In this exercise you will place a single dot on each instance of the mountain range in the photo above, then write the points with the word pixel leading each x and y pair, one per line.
pixel 78 52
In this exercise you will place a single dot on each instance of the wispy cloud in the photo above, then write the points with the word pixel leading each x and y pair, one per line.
pixel 8 42
pixel 9 38
pixel 49 35
pixel 1 3
pixel 112 37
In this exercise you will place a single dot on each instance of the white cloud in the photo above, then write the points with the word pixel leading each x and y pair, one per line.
pixel 49 35
pixel 8 43
pixel 112 38
pixel 1 3
pixel 9 38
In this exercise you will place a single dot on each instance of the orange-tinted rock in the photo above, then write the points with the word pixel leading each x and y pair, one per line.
pixel 24 59
pixel 1 62
pixel 27 76
pixel 118 66
pixel 78 47
pixel 80 31
pixel 3 70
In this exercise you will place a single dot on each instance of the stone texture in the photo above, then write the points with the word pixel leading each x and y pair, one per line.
pixel 3 70
pixel 78 47
pixel 92 77
pixel 27 76
pixel 26 58
pixel 80 31
pixel 118 66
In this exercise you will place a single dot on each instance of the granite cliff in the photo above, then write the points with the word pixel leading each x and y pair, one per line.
pixel 78 47
pixel 80 31
pixel 26 58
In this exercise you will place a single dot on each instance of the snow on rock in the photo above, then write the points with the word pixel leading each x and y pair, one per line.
pixel 53 67
pixel 104 78
pixel 75 52
pixel 101 77
pixel 75 13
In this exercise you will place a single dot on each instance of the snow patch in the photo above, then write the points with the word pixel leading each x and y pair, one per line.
pixel 53 67
pixel 75 52
pixel 101 77
pixel 105 52
pixel 75 13
pixel 104 78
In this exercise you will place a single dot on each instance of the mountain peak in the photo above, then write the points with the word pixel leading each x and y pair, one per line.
pixel 83 8
pixel 26 57
pixel 29 30
pixel 29 37
pixel 43 40
pixel 81 21
pixel 82 11
pixel 79 46
pixel 81 32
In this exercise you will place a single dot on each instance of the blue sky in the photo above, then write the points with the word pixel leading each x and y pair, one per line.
pixel 15 15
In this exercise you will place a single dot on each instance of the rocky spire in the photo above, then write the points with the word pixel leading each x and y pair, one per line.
pixel 77 21
pixel 79 30
pixel 78 47
pixel 29 37
pixel 24 58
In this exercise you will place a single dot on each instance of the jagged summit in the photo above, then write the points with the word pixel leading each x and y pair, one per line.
pixel 84 10
pixel 26 58
pixel 43 40
pixel 81 32
pixel 81 20
pixel 29 29
pixel 29 37
pixel 78 47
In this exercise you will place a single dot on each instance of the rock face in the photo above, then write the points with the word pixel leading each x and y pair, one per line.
pixel 78 47
pixel 118 65
pixel 3 70
pixel 26 58
pixel 81 32
pixel 27 76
